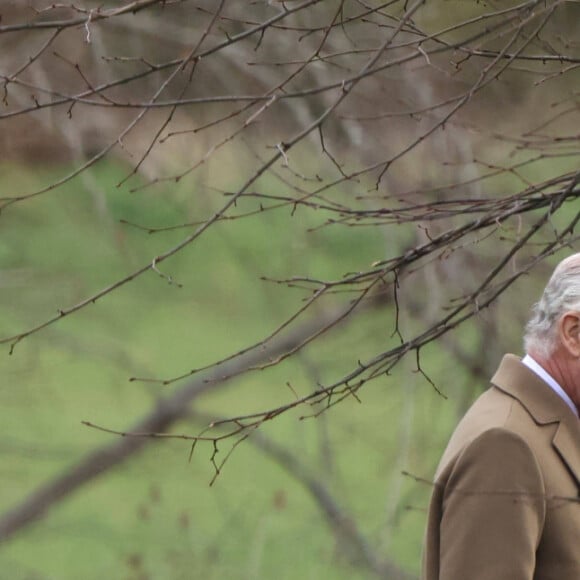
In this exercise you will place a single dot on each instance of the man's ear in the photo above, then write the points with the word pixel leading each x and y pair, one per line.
pixel 570 332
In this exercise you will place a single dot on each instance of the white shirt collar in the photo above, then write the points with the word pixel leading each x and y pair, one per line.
pixel 547 378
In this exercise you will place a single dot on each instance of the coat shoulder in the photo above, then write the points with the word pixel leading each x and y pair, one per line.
pixel 491 410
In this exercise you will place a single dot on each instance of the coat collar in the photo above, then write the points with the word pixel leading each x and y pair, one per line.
pixel 544 406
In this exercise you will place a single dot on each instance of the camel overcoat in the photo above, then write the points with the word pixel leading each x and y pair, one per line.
pixel 505 502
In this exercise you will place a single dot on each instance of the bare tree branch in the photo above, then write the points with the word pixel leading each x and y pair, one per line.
pixel 168 411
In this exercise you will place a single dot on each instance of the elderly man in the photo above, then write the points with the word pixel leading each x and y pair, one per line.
pixel 506 502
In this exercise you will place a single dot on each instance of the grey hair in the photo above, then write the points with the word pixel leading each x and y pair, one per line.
pixel 562 294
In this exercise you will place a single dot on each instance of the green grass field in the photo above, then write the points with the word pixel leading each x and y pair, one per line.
pixel 156 517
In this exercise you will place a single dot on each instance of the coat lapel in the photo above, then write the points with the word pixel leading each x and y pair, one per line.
pixel 545 406
pixel 567 446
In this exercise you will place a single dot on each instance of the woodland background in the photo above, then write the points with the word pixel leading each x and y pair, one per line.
pixel 256 259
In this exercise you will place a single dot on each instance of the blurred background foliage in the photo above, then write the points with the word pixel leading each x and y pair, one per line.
pixel 96 183
pixel 156 516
